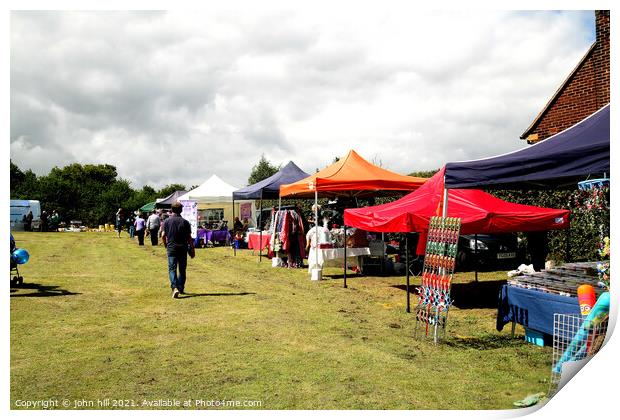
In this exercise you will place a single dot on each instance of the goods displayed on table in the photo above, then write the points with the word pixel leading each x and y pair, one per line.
pixel 439 263
pixel 331 250
pixel 563 280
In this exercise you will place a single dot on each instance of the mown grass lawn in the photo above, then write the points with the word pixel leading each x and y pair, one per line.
pixel 95 320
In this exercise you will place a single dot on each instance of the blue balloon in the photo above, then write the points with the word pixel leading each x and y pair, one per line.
pixel 20 256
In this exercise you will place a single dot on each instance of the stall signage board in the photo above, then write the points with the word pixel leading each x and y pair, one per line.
pixel 190 213
pixel 245 210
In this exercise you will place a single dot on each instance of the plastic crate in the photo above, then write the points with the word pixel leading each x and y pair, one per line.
pixel 535 337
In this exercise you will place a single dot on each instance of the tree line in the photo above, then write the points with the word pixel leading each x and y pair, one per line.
pixel 90 193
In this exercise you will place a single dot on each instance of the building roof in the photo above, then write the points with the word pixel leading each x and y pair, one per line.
pixel 557 93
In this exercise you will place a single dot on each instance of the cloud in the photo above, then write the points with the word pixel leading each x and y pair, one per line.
pixel 173 97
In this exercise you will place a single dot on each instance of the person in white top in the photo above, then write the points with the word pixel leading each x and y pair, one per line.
pixel 152 224
pixel 324 236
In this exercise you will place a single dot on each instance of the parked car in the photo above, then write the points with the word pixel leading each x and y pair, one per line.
pixel 487 251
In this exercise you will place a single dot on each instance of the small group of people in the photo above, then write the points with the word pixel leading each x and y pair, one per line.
pixel 141 225
pixel 27 220
pixel 49 221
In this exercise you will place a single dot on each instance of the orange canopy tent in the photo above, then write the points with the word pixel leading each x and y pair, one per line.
pixel 352 176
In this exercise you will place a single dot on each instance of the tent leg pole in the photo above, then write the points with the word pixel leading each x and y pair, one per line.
pixel 407 268
pixel 568 244
pixel 345 256
pixel 316 232
pixel 476 256
pixel 444 213
pixel 383 253
pixel 260 226
pixel 234 247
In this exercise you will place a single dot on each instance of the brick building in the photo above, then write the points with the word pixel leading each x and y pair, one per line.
pixel 585 90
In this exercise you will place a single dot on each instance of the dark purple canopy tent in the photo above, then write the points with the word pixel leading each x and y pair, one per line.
pixel 269 188
pixel 580 152
pixel 577 153
pixel 167 202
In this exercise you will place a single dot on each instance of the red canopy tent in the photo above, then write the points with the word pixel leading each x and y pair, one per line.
pixel 479 212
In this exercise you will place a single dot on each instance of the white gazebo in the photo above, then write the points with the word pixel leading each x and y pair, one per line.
pixel 216 193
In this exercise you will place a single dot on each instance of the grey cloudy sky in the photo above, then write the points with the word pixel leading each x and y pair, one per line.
pixel 173 97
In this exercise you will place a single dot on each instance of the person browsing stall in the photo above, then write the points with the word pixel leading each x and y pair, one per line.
pixel 324 237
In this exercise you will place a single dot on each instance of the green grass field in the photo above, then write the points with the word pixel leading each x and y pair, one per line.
pixel 95 320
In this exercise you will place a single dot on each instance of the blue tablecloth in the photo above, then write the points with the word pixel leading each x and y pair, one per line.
pixel 532 309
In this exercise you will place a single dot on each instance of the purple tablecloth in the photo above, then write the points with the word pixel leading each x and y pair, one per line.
pixel 218 236
pixel 213 236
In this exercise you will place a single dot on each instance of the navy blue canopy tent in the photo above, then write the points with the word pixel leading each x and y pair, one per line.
pixel 563 159
pixel 269 188
pixel 167 202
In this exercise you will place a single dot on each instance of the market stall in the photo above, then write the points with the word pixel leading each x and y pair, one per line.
pixel 268 188
pixel 479 212
pixel 581 152
pixel 215 203
pixel 350 177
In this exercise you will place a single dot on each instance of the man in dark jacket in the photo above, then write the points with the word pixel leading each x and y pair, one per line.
pixel 178 241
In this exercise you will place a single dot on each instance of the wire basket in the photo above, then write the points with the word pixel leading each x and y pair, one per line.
pixel 574 339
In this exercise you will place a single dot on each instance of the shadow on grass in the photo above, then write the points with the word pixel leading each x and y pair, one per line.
pixel 341 276
pixel 487 342
pixel 39 290
pixel 472 295
pixel 476 295
pixel 190 295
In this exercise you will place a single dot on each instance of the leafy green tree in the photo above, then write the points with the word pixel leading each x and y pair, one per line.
pixel 169 189
pixel 24 185
pixel 262 170
pixel 139 198
pixel 424 174
pixel 77 192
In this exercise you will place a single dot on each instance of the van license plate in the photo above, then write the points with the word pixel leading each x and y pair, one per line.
pixel 506 255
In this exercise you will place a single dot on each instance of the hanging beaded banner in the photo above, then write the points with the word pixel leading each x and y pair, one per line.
pixel 439 263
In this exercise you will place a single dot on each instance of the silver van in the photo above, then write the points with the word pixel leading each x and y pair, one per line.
pixel 20 208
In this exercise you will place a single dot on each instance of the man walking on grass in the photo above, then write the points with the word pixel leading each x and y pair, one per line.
pixel 178 241
pixel 152 224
